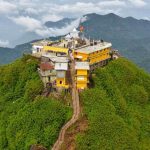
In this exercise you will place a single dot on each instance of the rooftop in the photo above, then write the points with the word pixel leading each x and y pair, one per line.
pixel 82 65
pixel 55 58
pixel 61 66
pixel 46 66
pixel 90 49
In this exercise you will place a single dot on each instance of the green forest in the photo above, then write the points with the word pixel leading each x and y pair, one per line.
pixel 26 117
pixel 117 109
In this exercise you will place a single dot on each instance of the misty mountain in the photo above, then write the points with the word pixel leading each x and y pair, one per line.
pixel 9 31
pixel 129 35
pixel 8 55
pixel 29 36
pixel 26 38
pixel 59 24
pixel 16 34
pixel 113 26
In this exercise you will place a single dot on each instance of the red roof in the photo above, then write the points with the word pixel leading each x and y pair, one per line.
pixel 46 66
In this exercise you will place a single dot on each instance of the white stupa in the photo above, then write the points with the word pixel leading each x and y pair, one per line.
pixel 74 34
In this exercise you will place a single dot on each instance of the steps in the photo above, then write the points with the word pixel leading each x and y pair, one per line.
pixel 76 112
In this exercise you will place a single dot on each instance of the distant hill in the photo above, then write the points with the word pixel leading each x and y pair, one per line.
pixel 8 55
pixel 30 36
pixel 59 24
pixel 129 35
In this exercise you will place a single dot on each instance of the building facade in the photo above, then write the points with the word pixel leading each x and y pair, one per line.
pixel 87 55
pixel 82 74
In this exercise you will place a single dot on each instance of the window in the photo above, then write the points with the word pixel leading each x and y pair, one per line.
pixel 38 49
pixel 80 78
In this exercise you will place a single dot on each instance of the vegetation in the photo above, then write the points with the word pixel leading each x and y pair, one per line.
pixel 117 109
pixel 26 117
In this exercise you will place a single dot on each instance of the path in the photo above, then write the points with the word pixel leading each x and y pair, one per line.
pixel 76 112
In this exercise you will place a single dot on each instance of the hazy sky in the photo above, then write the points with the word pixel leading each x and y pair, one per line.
pixel 31 14
pixel 56 9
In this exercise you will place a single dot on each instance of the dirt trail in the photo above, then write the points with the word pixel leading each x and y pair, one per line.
pixel 76 112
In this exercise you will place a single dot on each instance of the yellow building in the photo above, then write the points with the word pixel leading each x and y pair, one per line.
pixel 37 47
pixel 74 47
pixel 61 68
pixel 55 49
pixel 82 76
pixel 94 53
pixel 62 83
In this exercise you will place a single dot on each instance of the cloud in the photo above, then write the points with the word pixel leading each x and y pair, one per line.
pixel 83 19
pixel 32 14
pixel 29 23
pixel 34 25
pixel 138 3
pixel 89 7
pixel 146 18
pixel 51 17
pixel 112 3
pixel 4 43
pixel 31 11
pixel 53 10
pixel 7 7
pixel 58 31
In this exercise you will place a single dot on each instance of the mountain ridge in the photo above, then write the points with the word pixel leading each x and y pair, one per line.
pixel 129 35
pixel 60 23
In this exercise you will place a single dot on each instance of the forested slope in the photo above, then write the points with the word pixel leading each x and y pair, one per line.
pixel 26 117
pixel 117 109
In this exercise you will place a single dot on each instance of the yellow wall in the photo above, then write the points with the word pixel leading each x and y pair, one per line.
pixel 63 84
pixel 82 72
pixel 95 56
pixel 77 55
pixel 99 56
pixel 82 79
pixel 56 49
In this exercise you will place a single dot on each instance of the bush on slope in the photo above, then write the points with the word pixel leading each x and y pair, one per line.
pixel 27 118
pixel 117 109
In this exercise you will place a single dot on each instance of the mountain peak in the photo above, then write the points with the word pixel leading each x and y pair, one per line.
pixel 60 23
pixel 112 15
